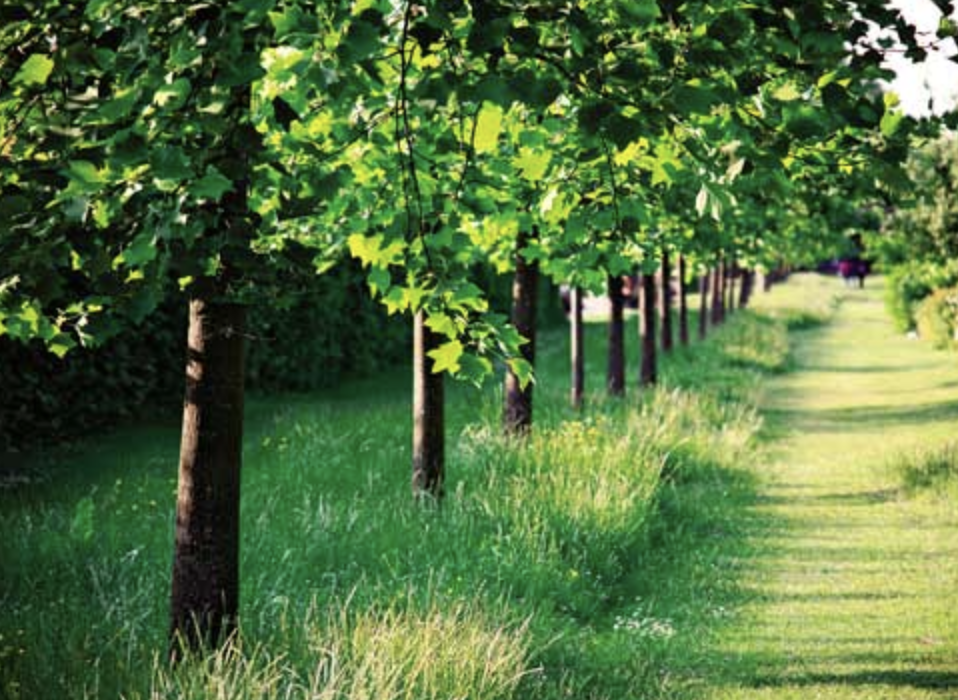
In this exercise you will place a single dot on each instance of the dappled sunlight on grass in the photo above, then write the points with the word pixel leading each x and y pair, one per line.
pixel 856 595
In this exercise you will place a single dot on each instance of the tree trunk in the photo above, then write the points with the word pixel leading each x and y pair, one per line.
pixel 428 410
pixel 704 281
pixel 731 271
pixel 205 592
pixel 718 293
pixel 577 347
pixel 665 302
pixel 748 284
pixel 683 304
pixel 517 416
pixel 648 370
pixel 615 375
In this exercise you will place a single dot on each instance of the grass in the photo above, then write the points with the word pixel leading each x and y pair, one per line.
pixel 600 560
pixel 852 579
pixel 931 468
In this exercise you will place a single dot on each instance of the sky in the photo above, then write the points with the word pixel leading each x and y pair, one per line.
pixel 937 77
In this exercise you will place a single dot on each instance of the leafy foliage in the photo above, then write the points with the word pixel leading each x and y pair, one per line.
pixel 223 142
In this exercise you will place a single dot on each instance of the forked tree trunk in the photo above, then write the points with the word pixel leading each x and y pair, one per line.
pixel 704 281
pixel 718 293
pixel 683 304
pixel 615 374
pixel 205 591
pixel 517 414
pixel 748 284
pixel 647 320
pixel 665 302
pixel 428 410
pixel 577 347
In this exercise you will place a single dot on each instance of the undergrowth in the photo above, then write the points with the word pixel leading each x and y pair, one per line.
pixel 929 469
pixel 591 561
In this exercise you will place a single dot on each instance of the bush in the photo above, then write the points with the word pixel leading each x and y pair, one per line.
pixel 910 284
pixel 937 318
pixel 330 329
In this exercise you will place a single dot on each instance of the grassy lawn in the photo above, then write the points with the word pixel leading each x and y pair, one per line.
pixel 648 548
pixel 855 581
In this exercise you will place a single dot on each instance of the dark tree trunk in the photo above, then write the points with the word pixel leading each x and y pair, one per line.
pixel 517 415
pixel 730 273
pixel 704 281
pixel 647 321
pixel 205 591
pixel 718 293
pixel 428 410
pixel 683 304
pixel 577 347
pixel 748 284
pixel 615 375
pixel 665 302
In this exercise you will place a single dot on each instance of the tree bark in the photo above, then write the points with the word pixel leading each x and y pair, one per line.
pixel 615 374
pixel 704 281
pixel 730 272
pixel 748 284
pixel 665 302
pixel 718 293
pixel 577 347
pixel 428 409
pixel 517 415
pixel 683 304
pixel 647 320
pixel 205 590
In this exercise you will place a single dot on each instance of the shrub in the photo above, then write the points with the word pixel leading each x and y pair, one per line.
pixel 909 284
pixel 328 330
pixel 937 317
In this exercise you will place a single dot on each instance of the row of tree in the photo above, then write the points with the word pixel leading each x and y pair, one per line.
pixel 208 149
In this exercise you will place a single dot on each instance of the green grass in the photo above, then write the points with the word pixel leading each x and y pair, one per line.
pixel 853 581
pixel 931 468
pixel 603 559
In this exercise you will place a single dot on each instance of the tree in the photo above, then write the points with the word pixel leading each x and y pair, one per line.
pixel 648 371
pixel 615 374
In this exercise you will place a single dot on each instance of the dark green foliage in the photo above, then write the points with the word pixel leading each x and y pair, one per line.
pixel 330 329
pixel 45 400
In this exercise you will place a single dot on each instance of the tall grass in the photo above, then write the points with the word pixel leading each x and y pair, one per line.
pixel 931 468
pixel 572 564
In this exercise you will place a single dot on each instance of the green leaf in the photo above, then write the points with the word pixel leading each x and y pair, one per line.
pixel 174 95
pixel 441 324
pixel 446 357
pixel 642 10
pixel 85 174
pixel 141 251
pixel 34 71
pixel 693 98
pixel 61 344
pixel 532 163
pixel 488 128
pixel 213 185
pixel 474 369
pixel 788 92
pixel 522 369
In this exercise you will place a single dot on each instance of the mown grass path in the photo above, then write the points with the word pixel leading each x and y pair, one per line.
pixel 855 585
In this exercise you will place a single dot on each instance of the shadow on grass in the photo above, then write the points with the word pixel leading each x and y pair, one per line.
pixel 917 679
pixel 856 418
